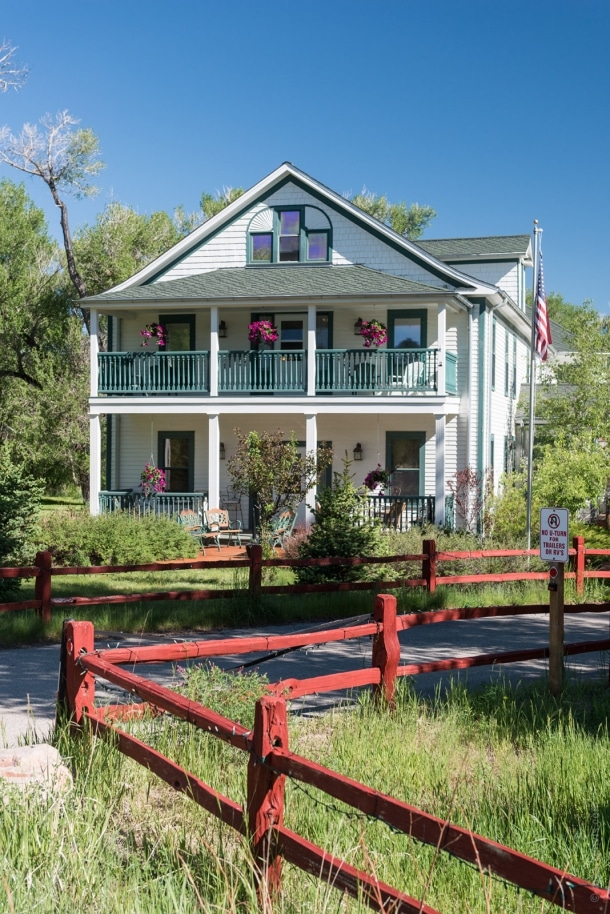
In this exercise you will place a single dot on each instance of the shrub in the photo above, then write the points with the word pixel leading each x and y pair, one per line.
pixel 20 496
pixel 341 529
pixel 114 539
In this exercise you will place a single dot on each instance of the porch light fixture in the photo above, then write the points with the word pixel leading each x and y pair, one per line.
pixel 358 327
pixel 222 330
pixel 358 452
pixel 221 451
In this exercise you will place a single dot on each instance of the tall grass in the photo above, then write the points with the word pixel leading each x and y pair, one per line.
pixel 513 764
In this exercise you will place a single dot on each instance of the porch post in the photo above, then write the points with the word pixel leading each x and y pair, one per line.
pixel 95 463
pixel 311 350
pixel 213 462
pixel 94 348
pixel 442 345
pixel 214 355
pixel 311 445
pixel 439 516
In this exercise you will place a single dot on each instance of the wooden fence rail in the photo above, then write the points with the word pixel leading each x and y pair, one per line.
pixel 270 760
pixel 428 561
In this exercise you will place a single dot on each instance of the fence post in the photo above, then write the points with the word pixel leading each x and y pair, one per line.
pixel 429 565
pixel 386 647
pixel 42 586
pixel 578 543
pixel 266 795
pixel 76 692
pixel 255 554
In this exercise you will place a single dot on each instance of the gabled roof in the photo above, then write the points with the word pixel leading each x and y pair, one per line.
pixel 273 281
pixel 455 250
pixel 446 275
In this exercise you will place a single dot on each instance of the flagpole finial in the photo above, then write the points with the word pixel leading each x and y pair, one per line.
pixel 535 222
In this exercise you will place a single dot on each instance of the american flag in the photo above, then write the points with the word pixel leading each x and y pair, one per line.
pixel 543 326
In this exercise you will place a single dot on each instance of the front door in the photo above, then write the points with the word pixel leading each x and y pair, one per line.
pixel 405 459
pixel 176 457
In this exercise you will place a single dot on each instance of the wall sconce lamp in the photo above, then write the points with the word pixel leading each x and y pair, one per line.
pixel 222 330
pixel 358 452
pixel 358 327
pixel 221 451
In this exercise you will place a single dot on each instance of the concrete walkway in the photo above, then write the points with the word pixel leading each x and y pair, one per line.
pixel 28 676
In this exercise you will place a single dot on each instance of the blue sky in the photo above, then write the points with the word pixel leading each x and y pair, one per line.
pixel 494 112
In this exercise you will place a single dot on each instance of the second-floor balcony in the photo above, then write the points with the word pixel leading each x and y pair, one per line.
pixel 336 371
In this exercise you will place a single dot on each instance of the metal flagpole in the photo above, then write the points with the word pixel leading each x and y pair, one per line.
pixel 530 458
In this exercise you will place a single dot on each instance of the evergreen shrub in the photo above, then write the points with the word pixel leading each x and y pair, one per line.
pixel 341 529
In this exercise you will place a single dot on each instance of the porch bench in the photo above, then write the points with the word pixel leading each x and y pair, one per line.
pixel 218 524
pixel 282 525
pixel 192 524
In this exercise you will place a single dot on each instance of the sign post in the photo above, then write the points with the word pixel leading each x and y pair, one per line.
pixel 554 549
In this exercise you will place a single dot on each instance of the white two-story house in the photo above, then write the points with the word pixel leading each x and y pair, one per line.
pixel 437 397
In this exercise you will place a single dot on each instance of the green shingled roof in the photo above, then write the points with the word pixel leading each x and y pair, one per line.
pixel 453 249
pixel 281 281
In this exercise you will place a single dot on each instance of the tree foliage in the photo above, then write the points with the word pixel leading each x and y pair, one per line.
pixel 270 469
pixel 120 243
pixel 410 221
pixel 65 159
pixel 33 311
pixel 19 507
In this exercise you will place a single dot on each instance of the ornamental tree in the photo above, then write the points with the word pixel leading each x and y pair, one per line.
pixel 269 469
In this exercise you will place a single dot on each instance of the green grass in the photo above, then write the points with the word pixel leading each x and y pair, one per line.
pixel 512 764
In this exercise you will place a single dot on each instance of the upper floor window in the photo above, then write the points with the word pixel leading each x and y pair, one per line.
pixel 289 235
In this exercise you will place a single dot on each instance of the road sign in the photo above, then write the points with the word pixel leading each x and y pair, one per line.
pixel 554 535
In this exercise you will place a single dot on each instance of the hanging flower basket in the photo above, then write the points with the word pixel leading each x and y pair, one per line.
pixel 153 331
pixel 152 480
pixel 373 332
pixel 262 332
pixel 377 478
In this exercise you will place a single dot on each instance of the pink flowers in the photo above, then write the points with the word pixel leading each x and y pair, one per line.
pixel 374 332
pixel 262 332
pixel 377 477
pixel 153 331
pixel 153 480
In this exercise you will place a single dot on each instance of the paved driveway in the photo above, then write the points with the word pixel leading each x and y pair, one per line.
pixel 28 676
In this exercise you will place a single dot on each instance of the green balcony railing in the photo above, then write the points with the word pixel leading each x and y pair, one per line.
pixel 378 371
pixel 253 372
pixel 451 385
pixel 347 371
pixel 153 372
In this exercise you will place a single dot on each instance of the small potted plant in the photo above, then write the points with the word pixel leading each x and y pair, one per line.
pixel 153 480
pixel 262 332
pixel 153 331
pixel 373 332
pixel 376 480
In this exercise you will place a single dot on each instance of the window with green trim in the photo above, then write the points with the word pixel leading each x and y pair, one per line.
pixel 298 234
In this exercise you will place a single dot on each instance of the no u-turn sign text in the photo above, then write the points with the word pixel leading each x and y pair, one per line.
pixel 554 535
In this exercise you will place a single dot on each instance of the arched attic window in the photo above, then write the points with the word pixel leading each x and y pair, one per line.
pixel 289 234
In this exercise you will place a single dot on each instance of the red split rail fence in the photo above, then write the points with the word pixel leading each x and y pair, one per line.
pixel 43 571
pixel 270 760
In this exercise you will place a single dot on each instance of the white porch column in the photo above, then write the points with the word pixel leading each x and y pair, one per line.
pixel 213 462
pixel 94 348
pixel 442 345
pixel 95 464
pixel 311 350
pixel 311 446
pixel 214 346
pixel 439 494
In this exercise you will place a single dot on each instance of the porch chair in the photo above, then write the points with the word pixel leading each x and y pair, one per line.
pixel 192 524
pixel 219 524
pixel 282 525
pixel 393 516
